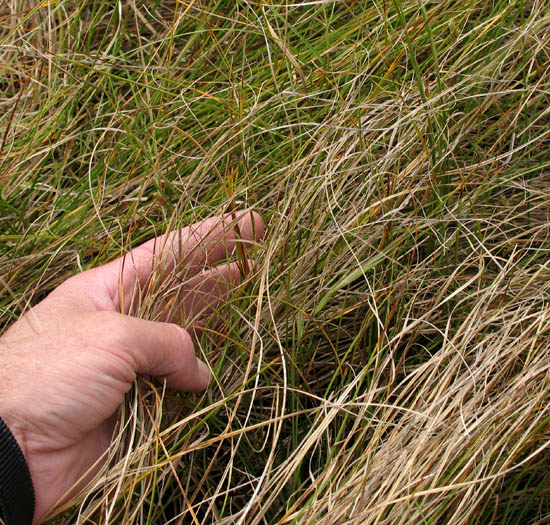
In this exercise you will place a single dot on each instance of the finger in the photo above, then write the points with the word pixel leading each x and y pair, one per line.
pixel 114 286
pixel 191 248
pixel 204 294
pixel 164 351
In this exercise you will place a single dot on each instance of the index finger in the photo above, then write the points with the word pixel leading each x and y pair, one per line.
pixel 192 248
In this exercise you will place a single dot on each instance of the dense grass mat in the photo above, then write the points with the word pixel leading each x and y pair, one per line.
pixel 389 361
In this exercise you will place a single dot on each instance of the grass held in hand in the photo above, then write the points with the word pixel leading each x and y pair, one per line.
pixel 389 361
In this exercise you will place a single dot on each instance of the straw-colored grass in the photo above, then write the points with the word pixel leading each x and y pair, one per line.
pixel 389 362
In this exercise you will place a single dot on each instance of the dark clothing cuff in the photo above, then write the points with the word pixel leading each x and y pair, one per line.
pixel 16 491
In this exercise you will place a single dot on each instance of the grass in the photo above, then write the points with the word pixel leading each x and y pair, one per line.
pixel 390 362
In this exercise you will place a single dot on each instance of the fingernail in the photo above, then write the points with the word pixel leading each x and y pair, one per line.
pixel 204 372
pixel 254 220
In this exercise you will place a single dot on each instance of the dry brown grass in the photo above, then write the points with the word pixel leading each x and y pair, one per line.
pixel 390 361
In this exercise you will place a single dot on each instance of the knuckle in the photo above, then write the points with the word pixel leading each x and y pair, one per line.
pixel 112 324
pixel 182 341
pixel 181 337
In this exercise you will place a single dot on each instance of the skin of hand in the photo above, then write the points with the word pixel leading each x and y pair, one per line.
pixel 66 364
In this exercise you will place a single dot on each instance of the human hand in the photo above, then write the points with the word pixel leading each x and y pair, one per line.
pixel 66 365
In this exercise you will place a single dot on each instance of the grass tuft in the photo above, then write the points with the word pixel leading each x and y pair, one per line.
pixel 390 361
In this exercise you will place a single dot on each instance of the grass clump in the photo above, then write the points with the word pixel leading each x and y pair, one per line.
pixel 390 362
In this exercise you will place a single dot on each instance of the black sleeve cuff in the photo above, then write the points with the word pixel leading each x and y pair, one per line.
pixel 16 491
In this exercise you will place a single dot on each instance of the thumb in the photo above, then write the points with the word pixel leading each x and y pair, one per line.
pixel 163 350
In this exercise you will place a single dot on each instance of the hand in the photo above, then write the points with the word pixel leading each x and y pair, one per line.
pixel 66 365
